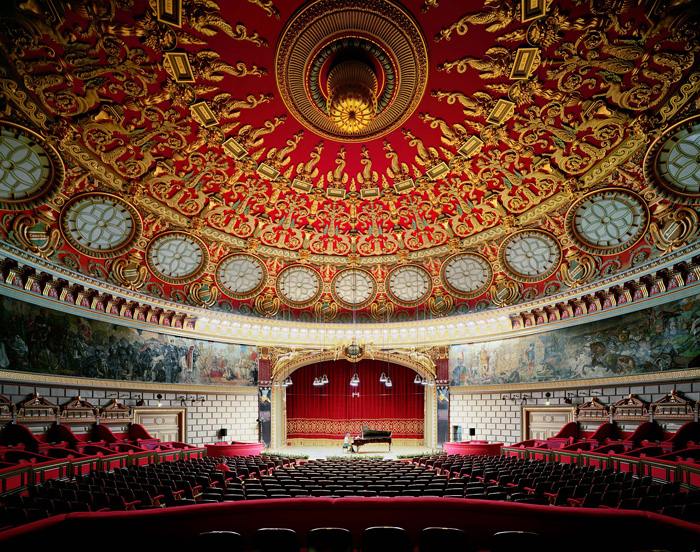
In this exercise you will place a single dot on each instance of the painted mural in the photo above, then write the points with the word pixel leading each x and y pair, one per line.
pixel 37 339
pixel 666 337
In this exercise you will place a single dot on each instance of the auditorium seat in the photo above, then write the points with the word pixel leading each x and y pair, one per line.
pixel 440 539
pixel 520 541
pixel 229 541
pixel 329 539
pixel 384 538
pixel 274 539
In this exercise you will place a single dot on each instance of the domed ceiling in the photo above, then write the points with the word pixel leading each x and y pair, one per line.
pixel 341 160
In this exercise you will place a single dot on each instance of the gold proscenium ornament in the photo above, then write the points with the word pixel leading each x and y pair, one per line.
pixel 352 95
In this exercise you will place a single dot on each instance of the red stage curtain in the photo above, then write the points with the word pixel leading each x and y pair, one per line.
pixel 330 411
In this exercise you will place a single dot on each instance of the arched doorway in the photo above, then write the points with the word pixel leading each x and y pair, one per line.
pixel 314 415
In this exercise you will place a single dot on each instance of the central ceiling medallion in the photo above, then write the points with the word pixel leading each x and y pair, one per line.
pixel 352 101
pixel 351 70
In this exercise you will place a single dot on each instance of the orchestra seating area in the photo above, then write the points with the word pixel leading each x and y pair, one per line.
pixel 200 483
pixel 560 493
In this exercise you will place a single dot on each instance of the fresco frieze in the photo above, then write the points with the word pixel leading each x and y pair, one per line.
pixel 658 339
pixel 41 340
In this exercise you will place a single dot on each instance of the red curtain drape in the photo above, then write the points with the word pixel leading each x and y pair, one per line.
pixel 330 411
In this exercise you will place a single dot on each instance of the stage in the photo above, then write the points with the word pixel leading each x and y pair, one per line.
pixel 320 452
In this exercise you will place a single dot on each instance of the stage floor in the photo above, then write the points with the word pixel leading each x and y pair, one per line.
pixel 380 449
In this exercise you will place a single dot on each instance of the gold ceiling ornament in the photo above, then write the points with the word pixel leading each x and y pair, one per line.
pixel 352 101
pixel 674 228
pixel 503 291
pixel 331 53
pixel 129 272
pixel 578 268
pixel 203 293
pixel 36 234
pixel 382 309
pixel 267 304
pixel 440 303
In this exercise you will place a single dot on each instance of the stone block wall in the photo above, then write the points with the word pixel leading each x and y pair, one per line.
pixel 496 419
pixel 237 412
pixel 500 420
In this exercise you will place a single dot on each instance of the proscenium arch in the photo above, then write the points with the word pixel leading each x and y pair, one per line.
pixel 279 373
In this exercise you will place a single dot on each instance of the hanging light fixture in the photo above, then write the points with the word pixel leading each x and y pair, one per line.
pixel 317 382
pixel 424 381
pixel 324 379
pixel 418 380
pixel 388 382
pixel 277 383
pixel 382 378
pixel 355 380
pixel 287 381
pixel 431 382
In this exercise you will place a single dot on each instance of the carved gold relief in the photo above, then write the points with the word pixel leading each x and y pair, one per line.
pixel 440 304
pixel 129 272
pixel 503 291
pixel 37 234
pixel 674 228
pixel 578 268
pixel 204 293
pixel 267 304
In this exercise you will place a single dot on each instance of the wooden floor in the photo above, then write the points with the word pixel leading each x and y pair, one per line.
pixel 366 450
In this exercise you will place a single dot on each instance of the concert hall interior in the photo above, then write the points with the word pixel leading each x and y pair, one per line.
pixel 460 236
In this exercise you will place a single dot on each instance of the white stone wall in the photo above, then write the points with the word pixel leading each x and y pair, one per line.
pixel 498 420
pixel 236 412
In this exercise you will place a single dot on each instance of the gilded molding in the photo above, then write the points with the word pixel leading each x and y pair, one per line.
pixel 626 149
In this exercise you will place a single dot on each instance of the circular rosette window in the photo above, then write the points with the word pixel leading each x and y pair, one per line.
pixel 30 169
pixel 176 257
pixel 409 285
pixel 530 255
pixel 606 222
pixel 672 163
pixel 467 275
pixel 241 276
pixel 298 286
pixel 354 288
pixel 100 225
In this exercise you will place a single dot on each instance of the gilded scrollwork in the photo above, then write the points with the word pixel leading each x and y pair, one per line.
pixel 37 234
pixel 267 304
pixel 268 6
pixel 674 228
pixel 496 63
pixel 203 293
pixel 130 271
pixel 504 291
pixel 578 268
pixel 496 14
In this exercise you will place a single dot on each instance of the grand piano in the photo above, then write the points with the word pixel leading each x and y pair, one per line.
pixel 371 436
